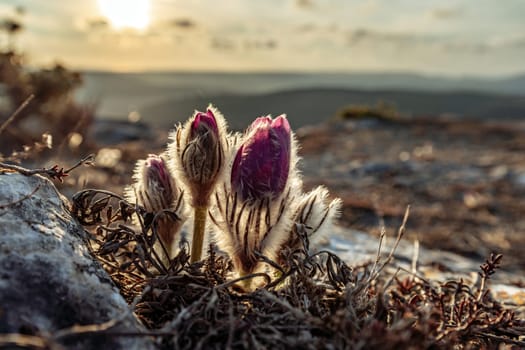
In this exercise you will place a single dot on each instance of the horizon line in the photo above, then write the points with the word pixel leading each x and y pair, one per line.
pixel 414 73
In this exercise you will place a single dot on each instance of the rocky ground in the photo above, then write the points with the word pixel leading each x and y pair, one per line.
pixel 464 180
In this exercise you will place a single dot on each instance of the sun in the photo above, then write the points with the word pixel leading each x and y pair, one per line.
pixel 126 13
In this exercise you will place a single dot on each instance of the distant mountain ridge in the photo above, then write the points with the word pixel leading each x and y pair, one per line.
pixel 509 85
pixel 311 106
pixel 165 98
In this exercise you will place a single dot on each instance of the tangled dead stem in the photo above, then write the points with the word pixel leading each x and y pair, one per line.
pixel 316 301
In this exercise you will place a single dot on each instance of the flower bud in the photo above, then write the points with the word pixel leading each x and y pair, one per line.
pixel 154 189
pixel 198 153
pixel 262 163
pixel 154 185
pixel 204 123
pixel 254 209
pixel 314 215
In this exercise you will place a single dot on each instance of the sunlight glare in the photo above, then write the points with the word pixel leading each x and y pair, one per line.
pixel 125 13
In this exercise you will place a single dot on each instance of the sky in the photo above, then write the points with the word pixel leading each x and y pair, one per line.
pixel 438 37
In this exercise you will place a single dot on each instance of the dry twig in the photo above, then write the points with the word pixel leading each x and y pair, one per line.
pixel 55 172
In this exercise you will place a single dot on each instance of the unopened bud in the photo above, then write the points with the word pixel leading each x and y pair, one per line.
pixel 155 189
pixel 315 214
pixel 254 210
pixel 198 152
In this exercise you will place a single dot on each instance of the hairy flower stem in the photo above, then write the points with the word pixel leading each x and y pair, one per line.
pixel 199 224
pixel 246 283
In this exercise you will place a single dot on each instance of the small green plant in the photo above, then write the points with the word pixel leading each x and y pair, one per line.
pixel 381 111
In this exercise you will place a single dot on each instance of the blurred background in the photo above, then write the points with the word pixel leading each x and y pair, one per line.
pixel 394 102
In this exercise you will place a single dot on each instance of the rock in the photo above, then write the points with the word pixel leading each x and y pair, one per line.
pixel 110 132
pixel 356 248
pixel 382 169
pixel 48 279
pixel 519 179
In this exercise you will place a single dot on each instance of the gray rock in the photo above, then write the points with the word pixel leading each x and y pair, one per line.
pixel 48 279
pixel 519 179
pixel 357 247
pixel 110 132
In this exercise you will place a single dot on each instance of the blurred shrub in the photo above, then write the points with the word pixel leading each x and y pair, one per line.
pixel 53 109
pixel 381 111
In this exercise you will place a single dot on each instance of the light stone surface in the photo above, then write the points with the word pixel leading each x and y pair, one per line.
pixel 357 247
pixel 48 279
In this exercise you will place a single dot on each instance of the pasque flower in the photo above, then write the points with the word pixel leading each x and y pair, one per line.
pixel 155 189
pixel 197 152
pixel 254 208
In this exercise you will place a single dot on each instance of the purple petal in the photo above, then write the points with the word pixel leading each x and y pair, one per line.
pixel 260 122
pixel 204 122
pixel 157 170
pixel 280 124
pixel 262 163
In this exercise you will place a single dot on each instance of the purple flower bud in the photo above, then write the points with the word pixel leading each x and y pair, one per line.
pixel 262 163
pixel 197 156
pixel 156 173
pixel 155 185
pixel 155 189
pixel 201 155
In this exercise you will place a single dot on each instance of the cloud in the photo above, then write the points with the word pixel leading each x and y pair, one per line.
pixel 494 44
pixel 363 35
pixel 310 28
pixel 183 23
pixel 223 44
pixel 513 40
pixel 304 4
pixel 466 47
pixel 246 44
pixel 260 44
pixel 450 44
pixel 306 27
pixel 97 23
pixel 90 25
pixel 446 13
